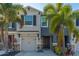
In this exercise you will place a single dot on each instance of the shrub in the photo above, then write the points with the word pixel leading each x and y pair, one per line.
pixel 58 51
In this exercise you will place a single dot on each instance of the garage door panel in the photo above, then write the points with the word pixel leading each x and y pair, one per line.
pixel 29 43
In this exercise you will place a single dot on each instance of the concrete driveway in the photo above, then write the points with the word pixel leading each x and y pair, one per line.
pixel 34 53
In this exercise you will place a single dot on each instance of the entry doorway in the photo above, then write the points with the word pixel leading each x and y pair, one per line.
pixel 46 42
pixel 10 41
pixel 66 40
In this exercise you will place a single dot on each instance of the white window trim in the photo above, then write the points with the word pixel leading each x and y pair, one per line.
pixel 32 20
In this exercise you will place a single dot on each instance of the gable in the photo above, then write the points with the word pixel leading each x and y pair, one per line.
pixel 31 10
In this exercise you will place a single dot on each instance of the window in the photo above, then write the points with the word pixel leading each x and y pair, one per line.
pixel 10 25
pixel 43 21
pixel 77 22
pixel 30 20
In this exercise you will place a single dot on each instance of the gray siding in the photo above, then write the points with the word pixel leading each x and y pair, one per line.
pixel 54 38
pixel 45 31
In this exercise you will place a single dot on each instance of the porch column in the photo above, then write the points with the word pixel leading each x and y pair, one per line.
pixel 39 42
pixel 12 43
pixel 20 43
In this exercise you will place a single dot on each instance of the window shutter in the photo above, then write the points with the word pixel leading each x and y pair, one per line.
pixel 22 17
pixel 34 20
pixel 22 21
pixel 13 25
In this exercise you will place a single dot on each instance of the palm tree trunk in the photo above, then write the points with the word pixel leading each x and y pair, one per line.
pixel 2 35
pixel 6 38
pixel 61 42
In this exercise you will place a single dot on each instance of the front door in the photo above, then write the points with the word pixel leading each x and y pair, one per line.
pixel 66 40
pixel 46 42
pixel 10 41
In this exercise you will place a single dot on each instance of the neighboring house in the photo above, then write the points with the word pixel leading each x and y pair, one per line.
pixel 49 39
pixel 73 41
pixel 45 35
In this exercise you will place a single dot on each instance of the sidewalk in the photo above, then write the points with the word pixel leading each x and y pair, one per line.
pixel 2 52
pixel 34 53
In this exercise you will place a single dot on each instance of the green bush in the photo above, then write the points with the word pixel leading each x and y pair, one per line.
pixel 53 48
pixel 58 51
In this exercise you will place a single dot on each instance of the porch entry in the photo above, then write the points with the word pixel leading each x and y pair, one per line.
pixel 66 40
pixel 11 40
pixel 46 42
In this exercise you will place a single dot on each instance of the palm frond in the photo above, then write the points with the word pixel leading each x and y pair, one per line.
pixel 49 9
pixel 59 6
pixel 55 22
pixel 76 14
pixel 76 33
pixel 66 9
pixel 69 23
pixel 19 8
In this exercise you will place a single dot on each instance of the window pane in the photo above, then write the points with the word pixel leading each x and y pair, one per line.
pixel 77 22
pixel 28 19
pixel 10 25
pixel 43 21
pixel 44 24
pixel 28 22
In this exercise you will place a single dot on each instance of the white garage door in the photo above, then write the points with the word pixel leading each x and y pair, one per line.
pixel 29 44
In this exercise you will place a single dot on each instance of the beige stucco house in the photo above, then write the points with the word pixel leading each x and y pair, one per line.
pixel 28 37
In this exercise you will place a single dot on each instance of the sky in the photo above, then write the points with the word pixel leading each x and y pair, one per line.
pixel 40 6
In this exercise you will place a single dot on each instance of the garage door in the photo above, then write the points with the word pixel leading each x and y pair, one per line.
pixel 29 44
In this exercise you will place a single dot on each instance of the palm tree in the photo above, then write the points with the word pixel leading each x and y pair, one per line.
pixel 60 16
pixel 10 12
pixel 2 30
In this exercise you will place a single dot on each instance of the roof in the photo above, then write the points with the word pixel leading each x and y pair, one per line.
pixel 33 8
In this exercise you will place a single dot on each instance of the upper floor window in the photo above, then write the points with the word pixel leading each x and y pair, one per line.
pixel 77 22
pixel 10 25
pixel 44 22
pixel 30 20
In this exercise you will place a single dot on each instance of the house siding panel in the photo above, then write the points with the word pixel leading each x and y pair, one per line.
pixel 45 31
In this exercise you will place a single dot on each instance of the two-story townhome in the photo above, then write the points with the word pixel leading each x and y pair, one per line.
pixel 48 38
pixel 45 33
pixel 28 37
